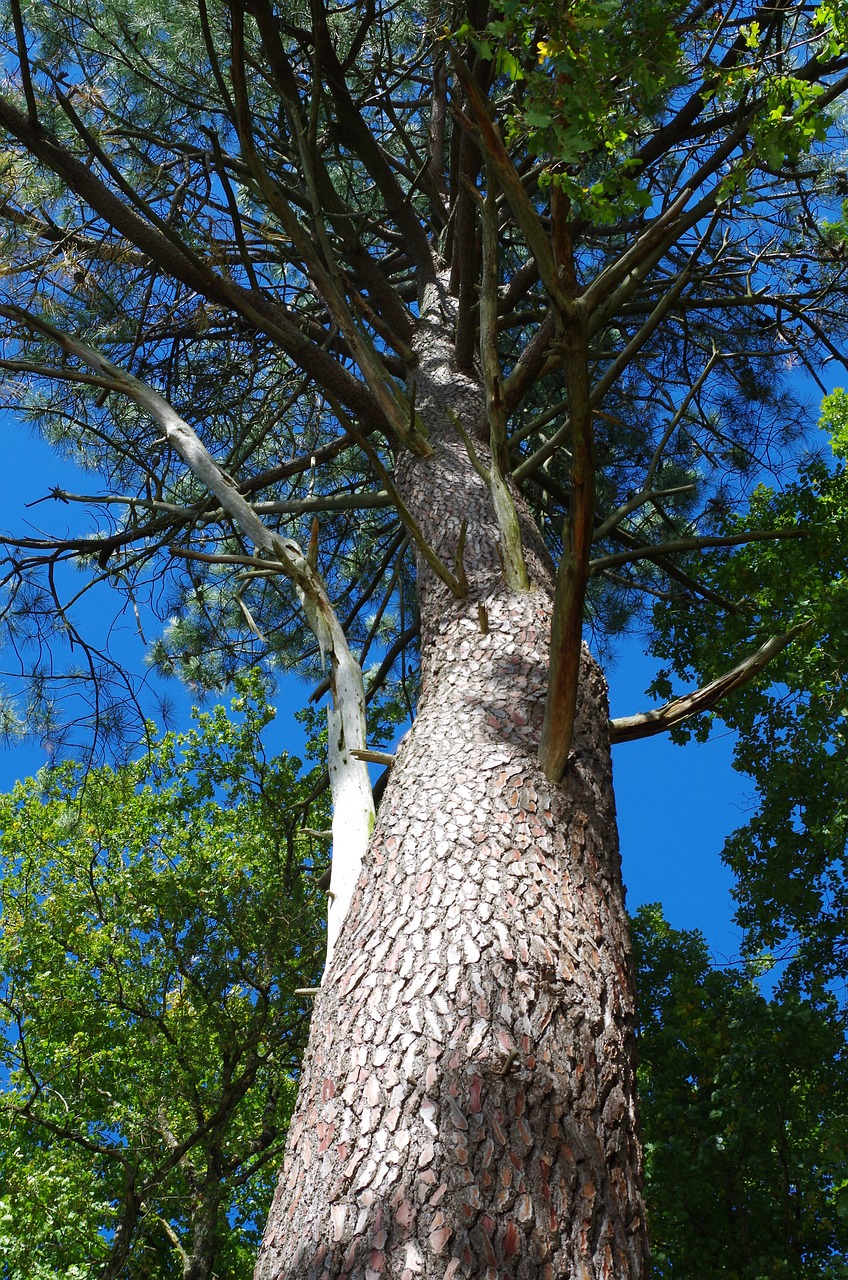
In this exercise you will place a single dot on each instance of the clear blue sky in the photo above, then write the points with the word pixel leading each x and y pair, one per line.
pixel 675 805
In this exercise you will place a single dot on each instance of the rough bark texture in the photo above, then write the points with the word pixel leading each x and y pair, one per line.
pixel 467 1102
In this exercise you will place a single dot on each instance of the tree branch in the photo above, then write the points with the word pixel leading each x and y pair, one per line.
pixel 633 504
pixel 353 807
pixel 690 544
pixel 176 260
pixel 573 571
pixel 492 146
pixel 515 569
pixel 354 129
pixel 647 723
pixel 323 268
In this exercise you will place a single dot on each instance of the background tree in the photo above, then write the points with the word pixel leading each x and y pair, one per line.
pixel 790 855
pixel 744 1117
pixel 508 295
pixel 156 923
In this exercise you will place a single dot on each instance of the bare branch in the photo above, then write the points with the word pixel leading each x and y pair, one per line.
pixel 691 544
pixel 647 723
pixel 633 504
pixel 354 809
pixel 375 757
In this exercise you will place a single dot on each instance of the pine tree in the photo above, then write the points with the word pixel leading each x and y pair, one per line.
pixel 495 309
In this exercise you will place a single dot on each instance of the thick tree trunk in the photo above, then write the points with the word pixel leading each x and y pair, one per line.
pixel 467 1102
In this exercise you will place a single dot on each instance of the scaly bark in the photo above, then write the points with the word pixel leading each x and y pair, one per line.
pixel 467 1102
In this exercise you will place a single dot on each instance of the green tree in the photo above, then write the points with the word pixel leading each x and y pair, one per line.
pixel 790 855
pixel 494 311
pixel 155 923
pixel 743 1105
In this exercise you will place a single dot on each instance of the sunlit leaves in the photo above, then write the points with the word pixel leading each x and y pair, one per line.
pixel 155 922
pixel 831 23
pixel 588 73
pixel 790 855
pixel 591 77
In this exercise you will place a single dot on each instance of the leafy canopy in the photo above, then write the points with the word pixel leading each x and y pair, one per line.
pixel 155 920
pixel 790 855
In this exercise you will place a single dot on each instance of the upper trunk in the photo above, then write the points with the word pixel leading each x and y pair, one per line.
pixel 467 1100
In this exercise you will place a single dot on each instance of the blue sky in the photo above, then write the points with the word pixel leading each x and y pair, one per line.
pixel 675 804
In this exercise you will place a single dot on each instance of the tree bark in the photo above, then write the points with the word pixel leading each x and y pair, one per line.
pixel 200 1263
pixel 467 1102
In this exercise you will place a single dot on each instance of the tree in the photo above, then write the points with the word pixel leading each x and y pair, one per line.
pixel 744 1117
pixel 155 928
pixel 505 295
pixel 790 855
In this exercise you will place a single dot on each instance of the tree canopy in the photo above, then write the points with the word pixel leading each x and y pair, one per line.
pixel 743 1108
pixel 156 922
pixel 790 854
pixel 239 207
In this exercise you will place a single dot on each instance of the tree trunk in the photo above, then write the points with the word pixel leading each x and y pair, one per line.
pixel 205 1241
pixel 467 1102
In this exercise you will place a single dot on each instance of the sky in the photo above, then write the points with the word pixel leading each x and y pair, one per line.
pixel 676 805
